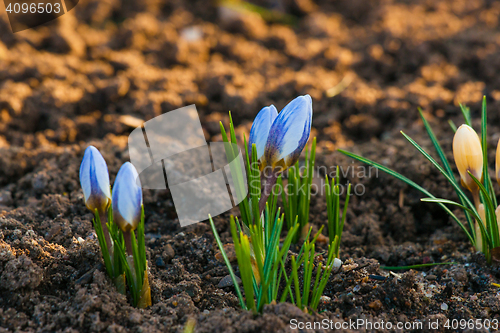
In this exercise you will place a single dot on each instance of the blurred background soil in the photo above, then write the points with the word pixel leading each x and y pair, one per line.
pixel 99 71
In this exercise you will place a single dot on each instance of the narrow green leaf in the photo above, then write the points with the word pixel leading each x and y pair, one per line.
pixel 295 277
pixel 409 182
pixel 443 172
pixel 398 268
pixel 227 262
pixel 452 125
pixel 466 113
pixel 445 162
pixel 102 243
pixel 488 185
pixel 492 229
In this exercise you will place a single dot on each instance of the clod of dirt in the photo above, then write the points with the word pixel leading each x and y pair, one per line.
pixel 230 253
pixel 6 251
pixel 168 253
pixel 183 305
pixel 20 273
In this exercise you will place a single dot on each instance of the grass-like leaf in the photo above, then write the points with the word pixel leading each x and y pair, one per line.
pixel 445 162
pixel 108 261
pixel 450 179
pixel 400 268
pixel 412 184
pixel 228 263
pixel 492 226
pixel 466 113
pixel 335 222
pixel 486 219
pixel 296 200
pixel 488 185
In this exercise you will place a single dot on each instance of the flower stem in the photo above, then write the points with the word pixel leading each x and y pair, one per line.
pixel 127 236
pixel 269 182
pixel 104 219
pixel 475 198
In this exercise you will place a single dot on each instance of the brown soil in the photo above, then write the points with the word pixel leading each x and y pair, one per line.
pixel 68 84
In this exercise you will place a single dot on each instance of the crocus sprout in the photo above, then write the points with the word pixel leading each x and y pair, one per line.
pixel 128 215
pixel 260 251
pixel 127 201
pixel 94 179
pixel 468 156
pixel 284 139
pixel 125 256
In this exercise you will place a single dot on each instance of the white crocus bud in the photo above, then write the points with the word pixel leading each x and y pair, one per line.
pixel 468 158
pixel 497 163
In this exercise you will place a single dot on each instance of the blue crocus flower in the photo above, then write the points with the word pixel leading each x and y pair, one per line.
pixel 127 198
pixel 260 129
pixel 288 134
pixel 94 179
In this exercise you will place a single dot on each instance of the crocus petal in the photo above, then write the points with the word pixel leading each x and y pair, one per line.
pixel 497 164
pixel 94 179
pixel 127 198
pixel 289 133
pixel 468 155
pixel 260 129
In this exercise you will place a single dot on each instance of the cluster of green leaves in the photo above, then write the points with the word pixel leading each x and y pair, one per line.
pixel 336 218
pixel 111 258
pixel 262 260
pixel 309 298
pixel 297 198
pixel 488 226
pixel 124 269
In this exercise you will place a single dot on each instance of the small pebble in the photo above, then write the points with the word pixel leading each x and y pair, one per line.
pixel 444 307
pixel 191 34
pixel 377 277
pixel 375 305
pixel 356 288
pixel 80 240
pixel 431 277
pixel 325 299
pixel 337 263
pixel 168 253
pixel 227 281
pixel 160 262
pixel 473 298
pixel 230 253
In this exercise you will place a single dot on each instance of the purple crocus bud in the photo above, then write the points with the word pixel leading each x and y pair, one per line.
pixel 127 198
pixel 94 179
